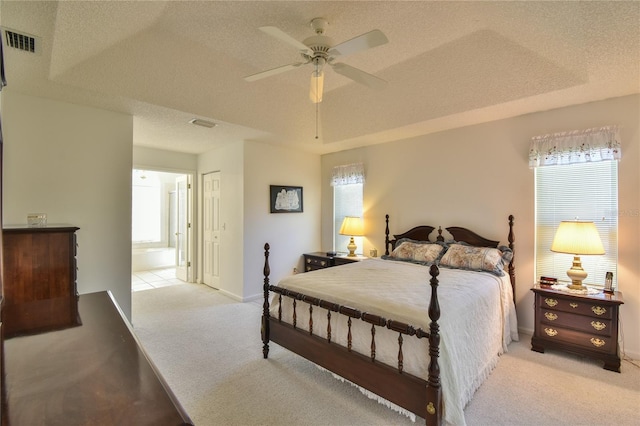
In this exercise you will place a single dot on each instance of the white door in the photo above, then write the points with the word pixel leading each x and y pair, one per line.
pixel 183 232
pixel 211 231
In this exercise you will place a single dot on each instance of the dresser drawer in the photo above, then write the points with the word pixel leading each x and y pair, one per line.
pixel 586 340
pixel 576 306
pixel 600 326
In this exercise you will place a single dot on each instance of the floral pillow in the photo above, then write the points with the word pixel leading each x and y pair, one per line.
pixel 423 252
pixel 488 259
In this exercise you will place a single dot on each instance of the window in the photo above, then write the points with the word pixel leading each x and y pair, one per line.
pixel 146 206
pixel 347 201
pixel 587 191
pixel 579 180
pixel 347 182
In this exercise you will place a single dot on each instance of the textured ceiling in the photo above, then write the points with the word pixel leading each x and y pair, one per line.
pixel 448 64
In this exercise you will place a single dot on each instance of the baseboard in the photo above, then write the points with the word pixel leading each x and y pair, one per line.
pixel 259 296
pixel 630 356
pixel 231 295
pixel 525 331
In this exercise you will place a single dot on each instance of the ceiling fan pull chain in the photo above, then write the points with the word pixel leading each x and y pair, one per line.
pixel 317 94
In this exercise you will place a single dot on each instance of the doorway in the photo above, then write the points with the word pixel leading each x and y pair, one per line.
pixel 161 228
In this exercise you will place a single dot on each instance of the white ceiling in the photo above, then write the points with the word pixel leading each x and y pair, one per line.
pixel 448 64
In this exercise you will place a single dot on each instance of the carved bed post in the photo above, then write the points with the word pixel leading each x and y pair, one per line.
pixel 434 391
pixel 512 268
pixel 386 235
pixel 265 305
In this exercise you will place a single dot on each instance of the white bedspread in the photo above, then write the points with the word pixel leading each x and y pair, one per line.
pixel 477 319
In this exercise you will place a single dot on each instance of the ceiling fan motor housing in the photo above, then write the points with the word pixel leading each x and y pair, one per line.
pixel 319 45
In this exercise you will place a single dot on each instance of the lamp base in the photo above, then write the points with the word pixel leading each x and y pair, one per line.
pixel 579 286
pixel 352 248
pixel 577 275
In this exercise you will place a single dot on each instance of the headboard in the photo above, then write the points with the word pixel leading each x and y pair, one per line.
pixel 421 233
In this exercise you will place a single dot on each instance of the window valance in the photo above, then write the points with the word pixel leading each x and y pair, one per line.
pixel 577 146
pixel 348 174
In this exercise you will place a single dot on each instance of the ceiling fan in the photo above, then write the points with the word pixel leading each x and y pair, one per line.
pixel 320 50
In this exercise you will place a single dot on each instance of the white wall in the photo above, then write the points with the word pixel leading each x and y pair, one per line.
pixel 162 160
pixel 289 234
pixel 246 171
pixel 476 176
pixel 73 163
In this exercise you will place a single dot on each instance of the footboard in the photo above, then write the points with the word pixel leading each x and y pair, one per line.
pixel 419 396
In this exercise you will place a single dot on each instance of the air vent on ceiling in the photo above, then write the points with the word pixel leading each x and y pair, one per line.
pixel 21 41
pixel 203 123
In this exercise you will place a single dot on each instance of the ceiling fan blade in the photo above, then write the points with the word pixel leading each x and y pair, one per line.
pixel 359 76
pixel 273 71
pixel 365 41
pixel 282 36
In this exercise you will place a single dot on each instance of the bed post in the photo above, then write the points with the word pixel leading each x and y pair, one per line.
pixel 434 391
pixel 512 268
pixel 265 305
pixel 386 235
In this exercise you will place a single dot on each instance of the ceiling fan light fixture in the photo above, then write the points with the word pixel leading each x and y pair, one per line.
pixel 316 87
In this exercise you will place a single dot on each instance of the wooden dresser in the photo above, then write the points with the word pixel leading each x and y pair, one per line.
pixel 39 279
pixel 94 374
pixel 586 325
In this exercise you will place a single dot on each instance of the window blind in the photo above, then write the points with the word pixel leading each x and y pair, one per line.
pixel 589 192
pixel 347 201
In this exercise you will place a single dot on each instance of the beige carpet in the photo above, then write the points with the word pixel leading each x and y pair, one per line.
pixel 208 349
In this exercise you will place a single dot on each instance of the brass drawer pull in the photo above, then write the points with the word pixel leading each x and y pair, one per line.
pixel 598 310
pixel 573 305
pixel 597 342
pixel 308 260
pixel 551 316
pixel 551 332
pixel 322 262
pixel 551 302
pixel 598 325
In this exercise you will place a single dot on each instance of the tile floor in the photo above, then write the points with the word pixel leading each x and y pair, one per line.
pixel 147 280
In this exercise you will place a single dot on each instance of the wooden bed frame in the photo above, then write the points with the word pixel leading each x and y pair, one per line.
pixel 419 396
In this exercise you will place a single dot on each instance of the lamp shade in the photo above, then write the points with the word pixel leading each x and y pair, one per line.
pixel 576 237
pixel 352 226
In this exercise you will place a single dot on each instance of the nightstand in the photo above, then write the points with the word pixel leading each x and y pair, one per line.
pixel 320 260
pixel 586 325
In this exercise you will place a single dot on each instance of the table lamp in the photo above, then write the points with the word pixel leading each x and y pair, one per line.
pixel 577 238
pixel 353 227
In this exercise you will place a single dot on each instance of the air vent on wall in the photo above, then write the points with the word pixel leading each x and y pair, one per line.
pixel 21 41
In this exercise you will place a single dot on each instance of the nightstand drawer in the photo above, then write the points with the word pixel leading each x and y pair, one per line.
pixel 576 306
pixel 318 262
pixel 337 261
pixel 587 324
pixel 588 341
pixel 584 324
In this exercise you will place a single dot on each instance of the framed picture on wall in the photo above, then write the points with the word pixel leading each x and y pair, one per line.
pixel 285 199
